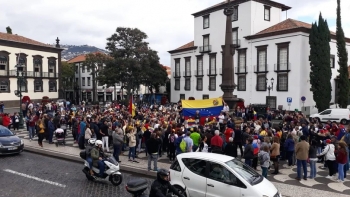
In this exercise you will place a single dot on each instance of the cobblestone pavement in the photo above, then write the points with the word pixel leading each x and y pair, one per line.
pixel 32 175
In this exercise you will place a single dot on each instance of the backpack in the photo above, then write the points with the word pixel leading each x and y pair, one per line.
pixel 347 138
pixel 261 159
pixel 183 145
pixel 172 139
pixel 255 148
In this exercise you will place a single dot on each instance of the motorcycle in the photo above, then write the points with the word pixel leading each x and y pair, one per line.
pixel 137 187
pixel 111 173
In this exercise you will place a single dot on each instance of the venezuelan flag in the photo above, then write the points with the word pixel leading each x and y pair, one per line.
pixel 207 108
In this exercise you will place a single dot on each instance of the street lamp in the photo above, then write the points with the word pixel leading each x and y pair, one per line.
pixel 270 87
pixel 20 78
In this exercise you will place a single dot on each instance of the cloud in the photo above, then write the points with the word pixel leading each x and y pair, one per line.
pixel 168 23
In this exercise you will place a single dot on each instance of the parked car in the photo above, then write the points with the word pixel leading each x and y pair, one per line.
pixel 9 142
pixel 215 175
pixel 338 115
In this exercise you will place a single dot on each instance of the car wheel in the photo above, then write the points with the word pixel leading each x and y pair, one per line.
pixel 181 190
pixel 343 121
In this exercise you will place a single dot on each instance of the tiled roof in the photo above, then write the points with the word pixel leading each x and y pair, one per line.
pixel 21 39
pixel 285 25
pixel 80 58
pixel 185 47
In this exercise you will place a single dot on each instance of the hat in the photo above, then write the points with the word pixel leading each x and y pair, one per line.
pixel 255 137
pixel 328 141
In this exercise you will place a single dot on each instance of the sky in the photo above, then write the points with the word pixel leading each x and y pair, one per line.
pixel 168 23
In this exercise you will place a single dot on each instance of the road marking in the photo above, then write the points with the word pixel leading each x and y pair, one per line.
pixel 35 178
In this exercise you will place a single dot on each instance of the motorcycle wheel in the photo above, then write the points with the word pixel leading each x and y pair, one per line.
pixel 89 178
pixel 180 189
pixel 116 179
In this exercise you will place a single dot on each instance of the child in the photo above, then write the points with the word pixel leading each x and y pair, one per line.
pixel 264 158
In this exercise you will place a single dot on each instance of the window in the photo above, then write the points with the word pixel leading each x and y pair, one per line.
pixel 22 60
pixel 219 173
pixel 332 61
pixel 52 67
pixel 177 84
pixel 205 96
pixel 242 61
pixel 38 85
pixel 196 166
pixel 88 69
pixel 261 83
pixel 326 112
pixel 182 97
pixel 3 64
pixel 37 66
pixel 241 83
pixel 212 64
pixel 235 36
pixel 205 22
pixel 176 166
pixel 282 82
pixel 267 10
pixel 283 57
pixel 4 85
pixel 52 86
pixel 22 85
pixel 199 84
pixel 77 81
pixel 188 84
pixel 177 68
pixel 235 13
pixel 83 69
pixel 199 66
pixel 89 81
pixel 206 43
pixel 212 83
pixel 83 81
pixel 262 59
pixel 187 67
pixel 76 69
pixel 271 102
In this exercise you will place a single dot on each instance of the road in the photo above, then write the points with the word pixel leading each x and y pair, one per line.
pixel 32 175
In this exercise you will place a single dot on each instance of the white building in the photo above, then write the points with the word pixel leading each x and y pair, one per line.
pixel 266 47
pixel 83 79
pixel 41 69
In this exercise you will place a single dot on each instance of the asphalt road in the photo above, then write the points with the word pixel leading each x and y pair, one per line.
pixel 31 175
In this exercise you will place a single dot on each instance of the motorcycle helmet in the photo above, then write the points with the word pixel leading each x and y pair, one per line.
pixel 163 174
pixel 91 141
pixel 98 142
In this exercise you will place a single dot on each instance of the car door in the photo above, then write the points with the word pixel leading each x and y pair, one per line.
pixel 221 182
pixel 193 176
pixel 325 115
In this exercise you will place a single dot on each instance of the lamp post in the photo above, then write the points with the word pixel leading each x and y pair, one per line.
pixel 20 78
pixel 270 87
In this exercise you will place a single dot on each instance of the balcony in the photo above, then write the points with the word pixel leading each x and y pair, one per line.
pixel 282 67
pixel 29 74
pixel 212 72
pixel 241 70
pixel 198 73
pixel 205 49
pixel 236 43
pixel 261 69
pixel 187 73
pixel 176 74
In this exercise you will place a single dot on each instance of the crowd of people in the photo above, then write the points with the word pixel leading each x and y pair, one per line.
pixel 160 131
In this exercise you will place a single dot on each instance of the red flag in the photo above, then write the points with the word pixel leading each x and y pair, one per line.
pixel 130 105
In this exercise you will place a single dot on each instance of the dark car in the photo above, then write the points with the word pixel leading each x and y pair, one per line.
pixel 9 142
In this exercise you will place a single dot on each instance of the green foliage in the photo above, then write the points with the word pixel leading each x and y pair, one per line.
pixel 67 75
pixel 320 74
pixel 8 30
pixel 344 84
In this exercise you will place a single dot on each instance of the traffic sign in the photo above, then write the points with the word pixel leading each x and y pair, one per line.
pixel 303 98
pixel 289 99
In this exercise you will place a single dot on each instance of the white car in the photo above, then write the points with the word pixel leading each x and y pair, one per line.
pixel 200 174
pixel 339 115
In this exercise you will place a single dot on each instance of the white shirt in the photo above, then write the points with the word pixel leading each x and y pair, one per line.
pixel 205 148
pixel 226 108
pixel 221 118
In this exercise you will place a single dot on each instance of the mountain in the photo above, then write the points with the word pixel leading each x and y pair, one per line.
pixel 71 51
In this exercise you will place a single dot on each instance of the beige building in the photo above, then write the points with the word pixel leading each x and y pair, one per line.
pixel 41 69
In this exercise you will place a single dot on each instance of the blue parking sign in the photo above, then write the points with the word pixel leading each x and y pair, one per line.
pixel 289 99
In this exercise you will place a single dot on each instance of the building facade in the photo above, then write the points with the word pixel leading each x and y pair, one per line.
pixel 41 69
pixel 84 84
pixel 271 60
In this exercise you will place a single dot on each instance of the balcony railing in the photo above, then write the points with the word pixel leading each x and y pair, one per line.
pixel 187 73
pixel 211 72
pixel 204 49
pixel 198 73
pixel 176 74
pixel 30 74
pixel 241 70
pixel 282 67
pixel 236 43
pixel 261 68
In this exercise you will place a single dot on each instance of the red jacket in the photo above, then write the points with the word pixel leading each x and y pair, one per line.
pixel 228 134
pixel 341 157
pixel 216 141
pixel 6 121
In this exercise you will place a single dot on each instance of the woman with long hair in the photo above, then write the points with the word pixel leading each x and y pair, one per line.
pixel 40 130
pixel 341 159
pixel 275 153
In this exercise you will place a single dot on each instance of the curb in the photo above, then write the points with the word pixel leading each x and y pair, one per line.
pixel 74 158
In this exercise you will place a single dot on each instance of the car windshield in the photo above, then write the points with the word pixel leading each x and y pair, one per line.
pixel 5 132
pixel 242 169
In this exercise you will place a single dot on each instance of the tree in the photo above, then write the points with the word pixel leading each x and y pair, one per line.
pixel 96 62
pixel 136 63
pixel 67 75
pixel 343 82
pixel 8 30
pixel 320 74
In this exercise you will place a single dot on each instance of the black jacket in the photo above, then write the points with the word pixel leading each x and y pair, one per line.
pixel 153 145
pixel 160 188
pixel 231 149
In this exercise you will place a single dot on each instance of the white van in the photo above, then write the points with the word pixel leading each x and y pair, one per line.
pixel 339 115
pixel 201 174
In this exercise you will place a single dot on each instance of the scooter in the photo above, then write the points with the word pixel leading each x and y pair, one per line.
pixel 111 173
pixel 136 187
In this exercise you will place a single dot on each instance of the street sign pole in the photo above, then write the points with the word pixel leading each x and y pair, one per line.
pixel 289 106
